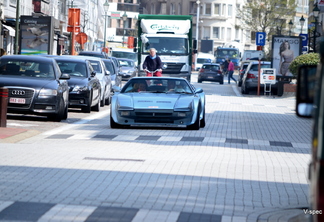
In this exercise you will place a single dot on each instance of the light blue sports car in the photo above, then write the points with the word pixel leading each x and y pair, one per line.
pixel 158 101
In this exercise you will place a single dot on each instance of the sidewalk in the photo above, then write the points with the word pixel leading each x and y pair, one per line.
pixel 12 135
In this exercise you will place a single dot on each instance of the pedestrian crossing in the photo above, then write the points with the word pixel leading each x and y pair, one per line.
pixel 141 138
pixel 49 212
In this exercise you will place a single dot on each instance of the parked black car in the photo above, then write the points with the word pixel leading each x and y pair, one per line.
pixel 36 86
pixel 84 85
pixel 210 72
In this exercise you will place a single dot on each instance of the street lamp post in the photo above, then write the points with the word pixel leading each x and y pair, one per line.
pixel 106 8
pixel 290 26
pixel 302 22
pixel 315 14
pixel 124 21
pixel 16 48
pixel 197 30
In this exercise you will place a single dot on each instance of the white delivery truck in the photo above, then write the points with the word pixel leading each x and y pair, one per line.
pixel 171 36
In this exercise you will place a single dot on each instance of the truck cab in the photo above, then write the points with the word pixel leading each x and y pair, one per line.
pixel 232 53
pixel 310 104
pixel 171 36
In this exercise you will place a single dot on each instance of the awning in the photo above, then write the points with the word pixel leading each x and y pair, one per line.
pixel 12 32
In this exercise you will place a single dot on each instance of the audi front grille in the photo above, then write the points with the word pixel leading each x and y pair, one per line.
pixel 21 93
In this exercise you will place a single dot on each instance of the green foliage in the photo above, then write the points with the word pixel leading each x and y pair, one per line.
pixel 267 16
pixel 305 59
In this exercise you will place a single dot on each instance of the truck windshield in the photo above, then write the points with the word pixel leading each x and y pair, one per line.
pixel 230 53
pixel 167 46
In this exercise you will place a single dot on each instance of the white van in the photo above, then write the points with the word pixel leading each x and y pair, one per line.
pixel 204 58
pixel 124 53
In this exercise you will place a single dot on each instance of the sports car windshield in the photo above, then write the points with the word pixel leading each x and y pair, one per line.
pixel 22 68
pixel 157 85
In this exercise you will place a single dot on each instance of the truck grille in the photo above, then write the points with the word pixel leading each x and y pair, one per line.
pixel 173 68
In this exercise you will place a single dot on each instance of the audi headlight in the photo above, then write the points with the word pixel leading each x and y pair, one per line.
pixel 47 92
pixel 80 88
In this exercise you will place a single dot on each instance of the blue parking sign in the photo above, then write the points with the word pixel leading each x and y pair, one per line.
pixel 304 38
pixel 260 38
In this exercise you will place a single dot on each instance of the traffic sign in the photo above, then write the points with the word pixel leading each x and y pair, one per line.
pixel 304 38
pixel 260 38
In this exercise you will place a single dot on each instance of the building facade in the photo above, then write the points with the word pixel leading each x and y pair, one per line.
pixel 214 20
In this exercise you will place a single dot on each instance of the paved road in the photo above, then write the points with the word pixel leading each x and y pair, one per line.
pixel 248 164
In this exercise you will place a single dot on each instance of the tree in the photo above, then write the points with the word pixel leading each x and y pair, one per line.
pixel 270 17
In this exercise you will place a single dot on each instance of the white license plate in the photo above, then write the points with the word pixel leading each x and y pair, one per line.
pixel 17 100
pixel 210 77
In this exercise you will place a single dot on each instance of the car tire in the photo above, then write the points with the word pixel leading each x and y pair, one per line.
pixel 102 102
pixel 107 101
pixel 243 89
pixel 239 83
pixel 66 111
pixel 113 124
pixel 196 125
pixel 203 121
pixel 221 82
pixel 96 108
pixel 199 81
pixel 57 117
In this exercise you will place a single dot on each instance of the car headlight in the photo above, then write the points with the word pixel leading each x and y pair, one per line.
pixel 182 114
pixel 125 113
pixel 130 72
pixel 80 88
pixel 47 92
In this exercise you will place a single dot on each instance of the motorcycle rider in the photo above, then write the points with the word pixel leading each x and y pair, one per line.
pixel 153 64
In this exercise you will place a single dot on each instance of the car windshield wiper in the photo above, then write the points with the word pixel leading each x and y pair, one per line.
pixel 157 91
pixel 183 92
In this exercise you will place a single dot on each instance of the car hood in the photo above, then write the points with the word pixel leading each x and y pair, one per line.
pixel 155 101
pixel 78 81
pixel 27 82
pixel 127 69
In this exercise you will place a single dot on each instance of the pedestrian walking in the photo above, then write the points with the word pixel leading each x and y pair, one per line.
pixel 230 72
pixel 225 66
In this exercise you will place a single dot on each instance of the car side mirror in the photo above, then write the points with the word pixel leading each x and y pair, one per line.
pixel 65 76
pixel 306 84
pixel 199 90
pixel 107 73
pixel 93 74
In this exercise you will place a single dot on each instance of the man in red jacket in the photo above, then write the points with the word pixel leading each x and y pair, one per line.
pixel 230 72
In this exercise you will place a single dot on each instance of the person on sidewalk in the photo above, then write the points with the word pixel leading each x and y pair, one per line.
pixel 231 71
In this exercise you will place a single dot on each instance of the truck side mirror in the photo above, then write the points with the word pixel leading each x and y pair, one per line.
pixel 306 84
pixel 194 46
